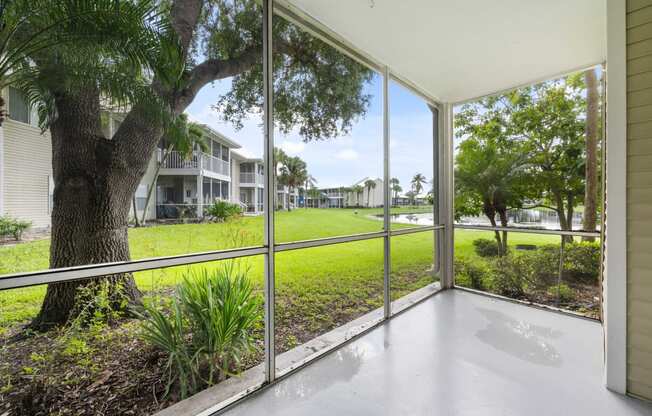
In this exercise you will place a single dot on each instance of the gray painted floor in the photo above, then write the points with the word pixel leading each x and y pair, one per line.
pixel 457 354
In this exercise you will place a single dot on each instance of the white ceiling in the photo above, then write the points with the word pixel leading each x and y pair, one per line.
pixel 456 50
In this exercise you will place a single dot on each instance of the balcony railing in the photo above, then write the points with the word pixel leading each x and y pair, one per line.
pixel 250 177
pixel 197 160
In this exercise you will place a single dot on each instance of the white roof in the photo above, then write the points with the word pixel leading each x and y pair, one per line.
pixel 456 50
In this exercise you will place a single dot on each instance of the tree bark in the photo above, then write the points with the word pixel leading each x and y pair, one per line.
pixel 92 195
pixel 589 220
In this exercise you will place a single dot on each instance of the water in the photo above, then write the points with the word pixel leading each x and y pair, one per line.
pixel 526 218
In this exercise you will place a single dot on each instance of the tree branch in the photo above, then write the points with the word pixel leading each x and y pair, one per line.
pixel 184 15
pixel 215 69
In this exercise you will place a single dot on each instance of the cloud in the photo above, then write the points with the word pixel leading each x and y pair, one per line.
pixel 292 148
pixel 347 154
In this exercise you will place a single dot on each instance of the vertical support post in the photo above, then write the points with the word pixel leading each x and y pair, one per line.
pixel 387 199
pixel 560 276
pixel 200 194
pixel 615 225
pixel 447 195
pixel 270 188
pixel 436 184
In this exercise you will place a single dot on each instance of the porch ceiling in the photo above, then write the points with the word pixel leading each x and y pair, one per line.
pixel 464 49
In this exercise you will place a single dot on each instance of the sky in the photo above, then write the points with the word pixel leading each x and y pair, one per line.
pixel 344 160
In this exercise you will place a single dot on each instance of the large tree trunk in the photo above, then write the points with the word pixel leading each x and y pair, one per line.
pixel 95 179
pixel 591 172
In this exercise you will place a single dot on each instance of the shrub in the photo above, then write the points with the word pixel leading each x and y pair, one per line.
pixel 222 210
pixel 543 265
pixel 582 261
pixel 509 275
pixel 565 293
pixel 10 227
pixel 210 327
pixel 472 274
pixel 485 247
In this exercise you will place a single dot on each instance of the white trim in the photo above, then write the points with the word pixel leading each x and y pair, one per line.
pixel 615 282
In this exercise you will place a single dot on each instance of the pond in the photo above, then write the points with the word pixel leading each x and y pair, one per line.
pixel 530 218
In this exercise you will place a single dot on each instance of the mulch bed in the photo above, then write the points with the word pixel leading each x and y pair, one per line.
pixel 121 374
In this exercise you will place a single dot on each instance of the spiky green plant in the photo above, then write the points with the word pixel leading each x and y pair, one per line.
pixel 209 328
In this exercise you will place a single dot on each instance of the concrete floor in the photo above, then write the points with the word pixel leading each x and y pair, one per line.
pixel 456 354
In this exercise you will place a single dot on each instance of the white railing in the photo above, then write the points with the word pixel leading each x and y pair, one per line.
pixel 178 160
pixel 250 177
pixel 197 160
pixel 215 164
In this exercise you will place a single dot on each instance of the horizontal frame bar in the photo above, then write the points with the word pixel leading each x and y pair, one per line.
pixel 528 230
pixel 297 245
pixel 413 230
pixel 18 280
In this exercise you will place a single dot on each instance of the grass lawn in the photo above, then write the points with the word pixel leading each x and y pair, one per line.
pixel 326 285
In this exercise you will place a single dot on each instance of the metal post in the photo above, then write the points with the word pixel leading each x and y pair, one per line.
pixel 447 195
pixel 200 194
pixel 560 276
pixel 270 188
pixel 387 300
pixel 436 185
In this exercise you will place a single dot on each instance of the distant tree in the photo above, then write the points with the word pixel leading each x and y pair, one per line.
pixel 395 186
pixel 369 184
pixel 293 173
pixel 490 163
pixel 418 180
pixel 550 118
pixel 397 189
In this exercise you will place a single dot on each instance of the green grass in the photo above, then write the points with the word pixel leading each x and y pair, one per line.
pixel 324 284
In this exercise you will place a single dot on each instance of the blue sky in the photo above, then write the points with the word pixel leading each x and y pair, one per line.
pixel 347 159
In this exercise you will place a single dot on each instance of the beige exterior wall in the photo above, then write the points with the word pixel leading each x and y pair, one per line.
pixel 639 197
pixel 27 170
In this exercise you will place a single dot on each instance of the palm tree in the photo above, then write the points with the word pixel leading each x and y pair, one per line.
pixel 184 137
pixel 369 184
pixel 396 188
pixel 293 173
pixel 418 180
pixel 28 27
pixel 311 182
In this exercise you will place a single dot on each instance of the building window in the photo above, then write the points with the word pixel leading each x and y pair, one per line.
pixel 19 109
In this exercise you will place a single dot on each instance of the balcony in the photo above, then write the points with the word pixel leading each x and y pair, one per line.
pixel 199 161
pixel 250 178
